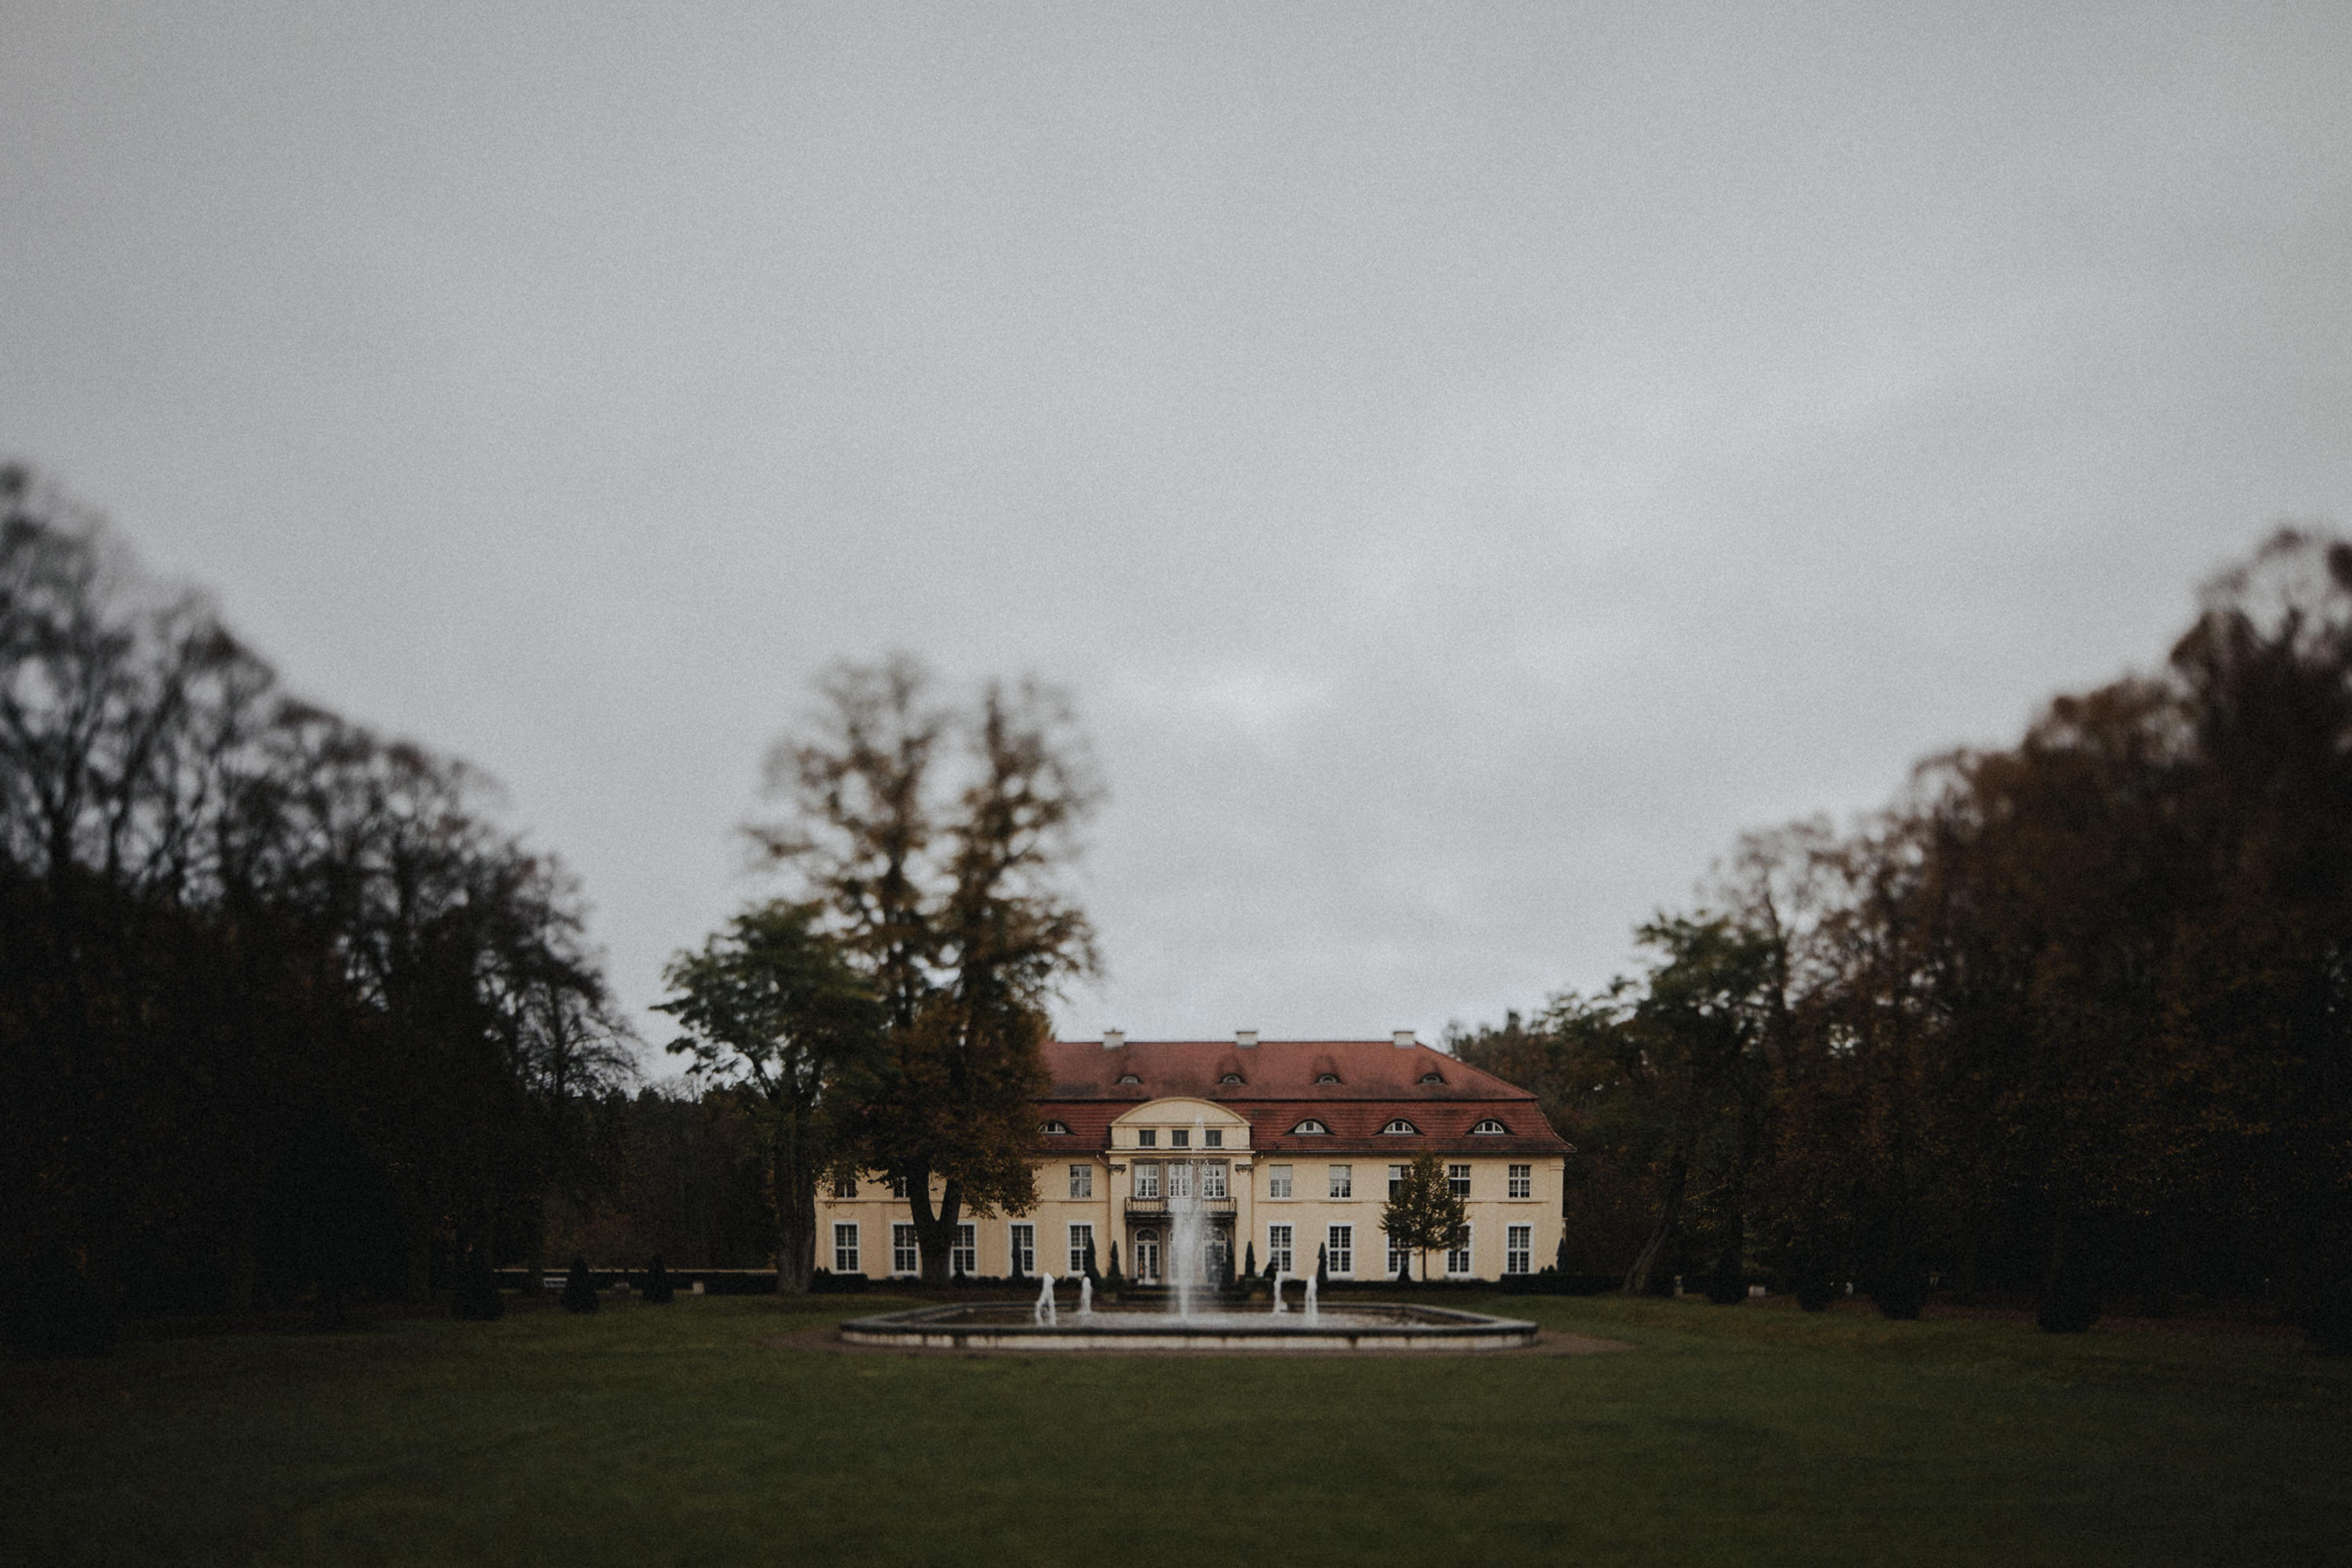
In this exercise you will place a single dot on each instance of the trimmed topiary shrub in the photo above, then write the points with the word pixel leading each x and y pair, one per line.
pixel 579 1291
pixel 2070 1303
pixel 658 1290
pixel 1322 1269
pixel 476 1298
pixel 1815 1293
pixel 1090 1265
pixel 1728 1286
pixel 1899 1290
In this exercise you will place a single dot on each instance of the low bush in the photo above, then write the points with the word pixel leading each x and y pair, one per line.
pixel 658 1290
pixel 477 1299
pixel 579 1290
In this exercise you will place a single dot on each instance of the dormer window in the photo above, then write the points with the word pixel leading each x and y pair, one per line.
pixel 1054 1128
pixel 1231 1078
pixel 1327 1077
pixel 1310 1128
pixel 1401 1126
pixel 1432 1078
pixel 1129 1077
pixel 1490 1127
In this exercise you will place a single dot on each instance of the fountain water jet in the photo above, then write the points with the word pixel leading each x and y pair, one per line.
pixel 1046 1314
pixel 1086 1295
pixel 1310 1297
pixel 1278 1278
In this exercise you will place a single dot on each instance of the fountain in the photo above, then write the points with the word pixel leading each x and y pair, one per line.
pixel 1278 1278
pixel 1046 1314
pixel 1086 1295
pixel 1310 1297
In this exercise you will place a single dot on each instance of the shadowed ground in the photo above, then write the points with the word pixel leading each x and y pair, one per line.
pixel 685 1435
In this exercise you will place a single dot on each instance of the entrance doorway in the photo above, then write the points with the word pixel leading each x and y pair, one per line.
pixel 1147 1258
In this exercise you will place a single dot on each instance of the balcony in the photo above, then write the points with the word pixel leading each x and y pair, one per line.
pixel 1157 1208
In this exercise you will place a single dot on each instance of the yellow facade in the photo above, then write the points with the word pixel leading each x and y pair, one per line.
pixel 1122 1194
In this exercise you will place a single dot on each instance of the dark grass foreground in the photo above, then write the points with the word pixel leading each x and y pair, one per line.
pixel 649 1435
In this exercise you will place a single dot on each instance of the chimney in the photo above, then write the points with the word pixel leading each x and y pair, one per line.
pixel 1114 1039
pixel 1403 1038
pixel 1246 1038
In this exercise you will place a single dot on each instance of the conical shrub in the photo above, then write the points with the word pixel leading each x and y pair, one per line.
pixel 658 1290
pixel 579 1291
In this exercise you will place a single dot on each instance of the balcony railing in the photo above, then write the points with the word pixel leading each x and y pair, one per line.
pixel 1157 1208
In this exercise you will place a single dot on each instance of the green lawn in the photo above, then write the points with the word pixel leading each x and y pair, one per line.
pixel 649 1435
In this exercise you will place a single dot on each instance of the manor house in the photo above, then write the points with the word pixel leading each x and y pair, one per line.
pixel 1284 1146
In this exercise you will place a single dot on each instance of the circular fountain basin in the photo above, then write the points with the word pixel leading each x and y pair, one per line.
pixel 1359 1326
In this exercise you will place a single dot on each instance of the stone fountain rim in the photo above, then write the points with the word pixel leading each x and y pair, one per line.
pixel 1429 1328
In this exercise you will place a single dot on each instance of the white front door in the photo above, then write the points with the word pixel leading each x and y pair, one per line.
pixel 1147 1258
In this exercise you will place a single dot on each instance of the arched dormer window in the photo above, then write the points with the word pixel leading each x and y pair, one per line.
pixel 1054 1128
pixel 1490 1127
pixel 1129 1077
pixel 1432 1078
pixel 1231 1078
pixel 1327 1077
pixel 1401 1126
pixel 1310 1128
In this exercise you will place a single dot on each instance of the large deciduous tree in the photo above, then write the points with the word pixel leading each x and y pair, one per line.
pixel 772 1005
pixel 933 838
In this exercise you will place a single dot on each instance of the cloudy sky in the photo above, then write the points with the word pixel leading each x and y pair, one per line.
pixel 1470 461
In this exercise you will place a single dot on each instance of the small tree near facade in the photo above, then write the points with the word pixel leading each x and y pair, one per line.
pixel 579 1290
pixel 1423 1214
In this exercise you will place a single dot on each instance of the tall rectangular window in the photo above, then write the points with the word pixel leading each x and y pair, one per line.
pixel 1025 1249
pixel 1213 1181
pixel 1082 1241
pixel 1343 1181
pixel 906 1257
pixel 1277 1248
pixel 1082 1180
pixel 1457 1180
pixel 1518 1246
pixel 844 1187
pixel 1147 1180
pixel 1457 1255
pixel 1214 1138
pixel 1398 1258
pixel 845 1249
pixel 898 1188
pixel 1179 1179
pixel 1396 1179
pixel 1523 1183
pixel 1339 1249
pixel 965 1258
pixel 1277 1181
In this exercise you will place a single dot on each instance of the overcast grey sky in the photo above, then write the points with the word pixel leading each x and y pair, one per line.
pixel 1470 461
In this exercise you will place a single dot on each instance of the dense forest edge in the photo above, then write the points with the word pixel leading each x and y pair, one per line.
pixel 290 1018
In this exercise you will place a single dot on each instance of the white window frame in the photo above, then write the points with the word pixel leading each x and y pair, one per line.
pixel 1523 1181
pixel 1396 1179
pixel 1212 1180
pixel 1519 1248
pixel 963 1258
pixel 843 1188
pixel 1147 1178
pixel 1310 1128
pixel 1281 1255
pixel 906 1251
pixel 1180 1178
pixel 1343 1181
pixel 1459 1251
pixel 1021 1246
pixel 1277 1181
pixel 1339 1251
pixel 1081 1237
pixel 1457 1180
pixel 1082 1180
pixel 1398 1127
pixel 845 1246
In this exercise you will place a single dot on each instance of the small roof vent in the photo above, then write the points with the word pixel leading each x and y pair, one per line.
pixel 1403 1038
pixel 1246 1038
pixel 1114 1039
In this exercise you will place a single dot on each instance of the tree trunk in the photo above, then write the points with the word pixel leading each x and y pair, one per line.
pixel 795 1196
pixel 1670 1213
pixel 935 1229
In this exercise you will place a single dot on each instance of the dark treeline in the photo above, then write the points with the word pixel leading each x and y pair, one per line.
pixel 2072 1020
pixel 685 1178
pixel 283 1012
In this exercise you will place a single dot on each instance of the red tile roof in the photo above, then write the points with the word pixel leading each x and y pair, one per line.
pixel 1377 1082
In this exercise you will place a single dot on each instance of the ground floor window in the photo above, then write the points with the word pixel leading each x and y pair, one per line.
pixel 845 1249
pixel 1339 1249
pixel 1518 1248
pixel 1277 1248
pixel 1025 1249
pixel 906 1257
pixel 1457 1255
pixel 1399 1258
pixel 965 1261
pixel 1082 1241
